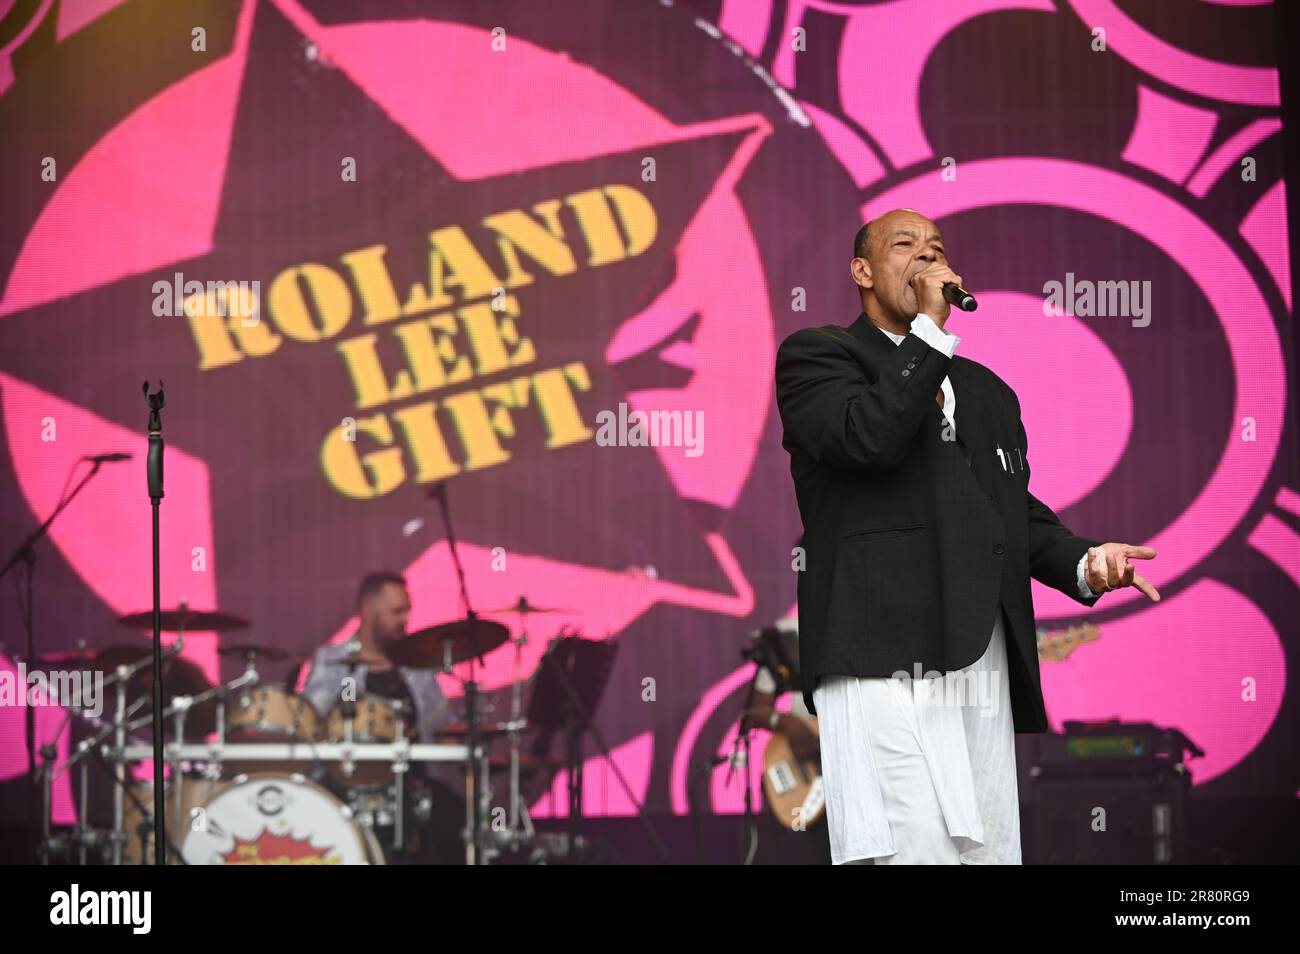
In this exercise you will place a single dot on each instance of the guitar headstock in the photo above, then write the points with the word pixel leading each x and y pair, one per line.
pixel 1055 645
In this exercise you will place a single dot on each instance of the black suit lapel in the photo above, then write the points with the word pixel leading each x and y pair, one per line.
pixel 972 434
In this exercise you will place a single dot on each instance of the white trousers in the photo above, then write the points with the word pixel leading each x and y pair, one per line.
pixel 922 771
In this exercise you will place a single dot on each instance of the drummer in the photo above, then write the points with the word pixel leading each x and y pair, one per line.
pixel 383 607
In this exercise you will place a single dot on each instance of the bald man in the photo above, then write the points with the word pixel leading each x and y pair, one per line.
pixel 916 621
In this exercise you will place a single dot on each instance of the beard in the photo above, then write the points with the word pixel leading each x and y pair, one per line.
pixel 390 638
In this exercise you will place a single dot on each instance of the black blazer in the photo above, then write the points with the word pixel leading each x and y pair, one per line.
pixel 913 539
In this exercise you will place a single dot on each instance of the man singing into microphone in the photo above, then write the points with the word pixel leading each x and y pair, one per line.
pixel 917 645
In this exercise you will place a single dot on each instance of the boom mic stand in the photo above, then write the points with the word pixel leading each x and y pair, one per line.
pixel 26 555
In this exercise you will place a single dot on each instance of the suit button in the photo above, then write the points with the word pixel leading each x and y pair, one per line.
pixel 999 549
pixel 906 372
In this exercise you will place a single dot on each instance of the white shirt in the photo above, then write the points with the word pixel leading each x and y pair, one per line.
pixel 922 771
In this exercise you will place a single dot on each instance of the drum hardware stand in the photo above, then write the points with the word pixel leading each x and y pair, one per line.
pixel 156 716
pixel 82 834
pixel 119 728
pixel 83 830
pixel 83 809
pixel 400 766
pixel 249 680
pixel 157 401
pixel 118 837
pixel 49 753
pixel 521 831
pixel 519 817
pixel 85 836
pixel 116 772
pixel 348 709
pixel 181 707
pixel 474 786
pixel 241 682
pixel 119 767
pixel 25 555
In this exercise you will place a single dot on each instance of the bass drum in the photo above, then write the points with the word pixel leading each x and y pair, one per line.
pixel 272 819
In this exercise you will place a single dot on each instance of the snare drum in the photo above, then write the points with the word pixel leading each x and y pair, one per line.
pixel 376 720
pixel 272 819
pixel 269 714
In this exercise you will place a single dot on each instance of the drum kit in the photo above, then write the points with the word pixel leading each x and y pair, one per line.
pixel 255 775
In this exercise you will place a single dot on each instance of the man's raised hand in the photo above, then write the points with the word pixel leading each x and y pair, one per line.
pixel 1108 568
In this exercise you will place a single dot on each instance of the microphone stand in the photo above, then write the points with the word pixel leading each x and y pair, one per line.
pixel 741 754
pixel 156 403
pixel 579 721
pixel 26 555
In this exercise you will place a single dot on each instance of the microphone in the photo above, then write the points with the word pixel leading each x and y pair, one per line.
pixel 959 296
pixel 107 458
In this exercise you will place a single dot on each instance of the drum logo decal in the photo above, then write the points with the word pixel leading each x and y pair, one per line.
pixel 270 800
pixel 269 848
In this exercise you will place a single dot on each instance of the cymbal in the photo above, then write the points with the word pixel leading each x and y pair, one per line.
pixel 75 658
pixel 107 659
pixel 268 653
pixel 459 639
pixel 180 676
pixel 523 606
pixel 188 619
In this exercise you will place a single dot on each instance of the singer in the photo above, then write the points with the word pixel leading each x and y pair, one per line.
pixel 916 621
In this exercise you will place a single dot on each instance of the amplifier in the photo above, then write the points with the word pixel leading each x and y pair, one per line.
pixel 1109 793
